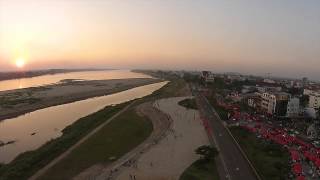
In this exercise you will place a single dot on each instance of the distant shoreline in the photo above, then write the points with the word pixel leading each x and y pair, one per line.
pixel 11 75
pixel 50 101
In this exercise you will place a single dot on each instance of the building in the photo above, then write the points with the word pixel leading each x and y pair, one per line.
pixel 268 103
pixel 254 102
pixel 248 89
pixel 314 98
pixel 275 103
pixel 269 81
pixel 263 89
pixel 310 113
pixel 236 77
pixel 234 96
pixel 293 107
pixel 305 81
pixel 207 76
pixel 298 85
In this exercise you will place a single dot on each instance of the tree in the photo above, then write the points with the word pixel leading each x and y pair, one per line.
pixel 304 100
pixel 206 152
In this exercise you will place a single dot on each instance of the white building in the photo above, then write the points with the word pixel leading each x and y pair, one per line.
pixel 270 81
pixel 274 103
pixel 293 108
pixel 254 102
pixel 314 98
pixel 207 76
pixel 268 102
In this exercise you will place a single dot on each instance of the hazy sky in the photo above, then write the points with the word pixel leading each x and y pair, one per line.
pixel 281 37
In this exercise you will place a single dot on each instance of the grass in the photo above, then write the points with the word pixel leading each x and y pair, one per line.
pixel 270 160
pixel 123 134
pixel 223 113
pixel 201 170
pixel 189 103
pixel 10 102
pixel 169 90
pixel 114 140
pixel 30 162
pixel 172 89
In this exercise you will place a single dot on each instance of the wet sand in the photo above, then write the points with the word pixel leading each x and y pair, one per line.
pixel 163 128
pixel 18 102
pixel 161 123
pixel 169 157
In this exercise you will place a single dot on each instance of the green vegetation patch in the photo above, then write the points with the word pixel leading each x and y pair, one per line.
pixel 114 140
pixel 9 102
pixel 270 160
pixel 118 137
pixel 223 113
pixel 204 168
pixel 201 170
pixel 189 103
pixel 30 162
pixel 171 89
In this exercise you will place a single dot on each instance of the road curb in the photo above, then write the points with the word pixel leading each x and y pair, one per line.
pixel 244 154
pixel 239 147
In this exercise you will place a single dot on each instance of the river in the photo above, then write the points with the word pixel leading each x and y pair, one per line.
pixel 56 78
pixel 32 130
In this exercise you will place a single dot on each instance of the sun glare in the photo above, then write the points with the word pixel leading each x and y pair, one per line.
pixel 20 62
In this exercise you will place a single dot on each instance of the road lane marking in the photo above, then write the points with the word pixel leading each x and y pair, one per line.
pixel 228 176
pixel 236 142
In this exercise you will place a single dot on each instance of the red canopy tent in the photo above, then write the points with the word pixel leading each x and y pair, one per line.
pixel 317 162
pixel 309 156
pixel 297 168
pixel 294 155
pixel 300 178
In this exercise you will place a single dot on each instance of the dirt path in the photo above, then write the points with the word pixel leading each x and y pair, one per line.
pixel 66 153
pixel 168 158
pixel 161 124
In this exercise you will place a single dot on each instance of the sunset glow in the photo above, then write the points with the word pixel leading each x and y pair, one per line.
pixel 20 62
pixel 217 35
pixel 171 75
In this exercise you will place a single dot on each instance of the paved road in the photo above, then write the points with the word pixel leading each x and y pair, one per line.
pixel 234 164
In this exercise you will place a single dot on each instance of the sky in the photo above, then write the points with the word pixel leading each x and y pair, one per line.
pixel 281 37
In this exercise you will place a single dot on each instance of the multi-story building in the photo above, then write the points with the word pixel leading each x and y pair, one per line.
pixel 270 81
pixel 293 108
pixel 207 76
pixel 305 81
pixel 275 103
pixel 268 103
pixel 263 89
pixel 314 98
pixel 254 102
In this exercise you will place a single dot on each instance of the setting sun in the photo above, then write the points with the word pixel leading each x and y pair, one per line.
pixel 20 62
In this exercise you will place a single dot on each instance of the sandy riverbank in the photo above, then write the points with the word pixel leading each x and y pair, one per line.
pixel 174 153
pixel 161 124
pixel 21 101
pixel 166 153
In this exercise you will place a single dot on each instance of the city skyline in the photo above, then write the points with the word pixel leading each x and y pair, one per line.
pixel 252 37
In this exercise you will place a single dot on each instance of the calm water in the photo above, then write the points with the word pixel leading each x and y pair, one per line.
pixel 49 122
pixel 51 79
